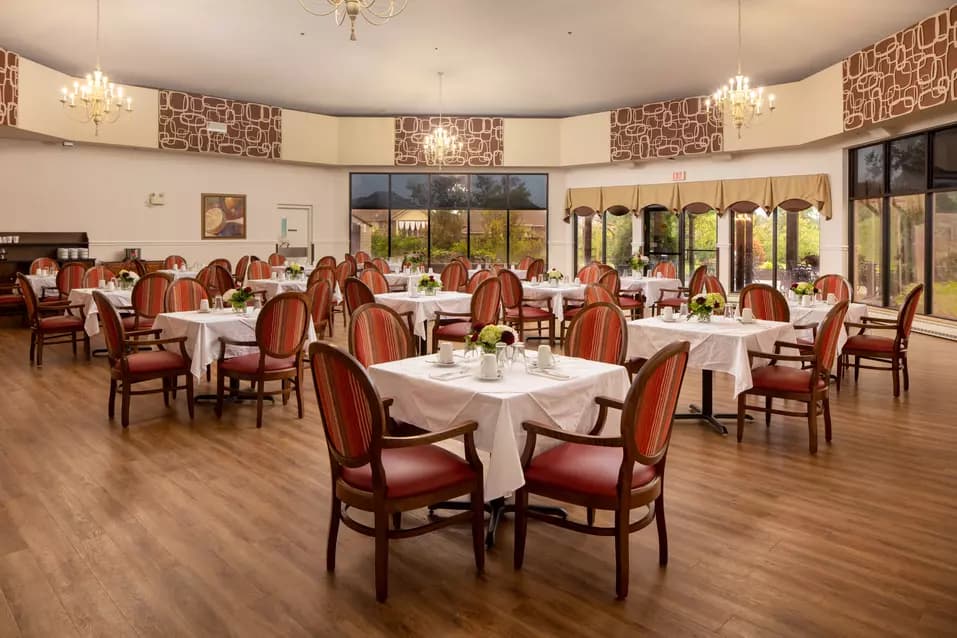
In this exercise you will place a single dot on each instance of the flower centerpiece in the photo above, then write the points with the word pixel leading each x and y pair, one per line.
pixel 428 285
pixel 487 336
pixel 638 263
pixel 414 261
pixel 554 275
pixel 294 270
pixel 703 306
pixel 127 279
pixel 238 298
pixel 804 288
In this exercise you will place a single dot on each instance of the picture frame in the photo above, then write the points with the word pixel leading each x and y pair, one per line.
pixel 222 216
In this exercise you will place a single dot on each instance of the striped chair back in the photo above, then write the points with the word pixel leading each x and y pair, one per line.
pixel 184 295
pixel 713 284
pixel 377 334
pixel 454 276
pixel 351 410
pixel 908 311
pixel 835 285
pixel 486 306
pixel 465 261
pixel 174 261
pixel 825 344
pixel 375 280
pixel 223 263
pixel 242 268
pixel 276 259
pixel 536 268
pixel 42 262
pixel 589 274
pixel 320 292
pixel 362 257
pixel 70 276
pixel 113 333
pixel 476 279
pixel 216 279
pixel 258 270
pixel 611 282
pixel 512 291
pixel 667 269
pixel 524 262
pixel 93 276
pixel 596 293
pixel 648 415
pixel 29 299
pixel 356 294
pixel 323 273
pixel 353 263
pixel 382 265
pixel 327 260
pixel 149 294
pixel 697 279
pixel 598 333
pixel 765 302
pixel 344 270
pixel 135 265
pixel 283 325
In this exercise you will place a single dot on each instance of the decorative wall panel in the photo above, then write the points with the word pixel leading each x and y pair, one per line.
pixel 9 87
pixel 481 137
pixel 252 130
pixel 664 129
pixel 913 70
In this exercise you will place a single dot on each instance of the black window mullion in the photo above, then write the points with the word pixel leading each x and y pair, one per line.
pixel 774 247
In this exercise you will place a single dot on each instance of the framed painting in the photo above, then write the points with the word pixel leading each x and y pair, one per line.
pixel 223 216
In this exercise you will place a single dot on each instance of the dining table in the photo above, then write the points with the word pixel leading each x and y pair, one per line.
pixel 814 314
pixel 273 287
pixel 553 294
pixel 519 272
pixel 423 307
pixel 651 287
pixel 43 283
pixel 118 297
pixel 178 273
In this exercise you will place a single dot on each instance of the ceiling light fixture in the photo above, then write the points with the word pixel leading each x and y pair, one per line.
pixel 99 99
pixel 355 8
pixel 440 145
pixel 736 98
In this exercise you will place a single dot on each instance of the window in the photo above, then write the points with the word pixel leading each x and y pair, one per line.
pixel 906 246
pixel 492 218
pixel 945 255
pixel 776 248
pixel 868 248
pixel 687 239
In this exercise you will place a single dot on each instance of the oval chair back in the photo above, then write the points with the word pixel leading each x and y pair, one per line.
pixel 377 334
pixel 598 333
pixel 258 270
pixel 353 262
pixel 835 285
pixel 362 257
pixel 224 263
pixel 184 295
pixel 327 260
pixel 713 284
pixel 465 261
pixel 476 279
pixel 382 265
pixel 216 279
pixel 30 300
pixel 136 266
pixel 70 276
pixel 276 259
pixel 93 276
pixel 356 294
pixel 512 291
pixel 323 273
pixel 149 295
pixel 454 276
pixel 486 305
pixel 667 269
pixel 375 280
pixel 589 274
pixel 536 268
pixel 828 337
pixel 765 302
pixel 907 313
pixel 611 282
pixel 344 271
pixel 114 335
pixel 320 292
pixel 524 262
pixel 42 262
pixel 596 293
pixel 697 279
pixel 174 261
pixel 242 268
pixel 282 327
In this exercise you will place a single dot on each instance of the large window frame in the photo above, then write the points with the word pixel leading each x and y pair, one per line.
pixel 468 208
pixel 786 221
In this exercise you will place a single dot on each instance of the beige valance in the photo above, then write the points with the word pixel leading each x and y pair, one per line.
pixel 756 190
pixel 619 200
pixel 658 195
pixel 700 192
pixel 582 201
pixel 813 189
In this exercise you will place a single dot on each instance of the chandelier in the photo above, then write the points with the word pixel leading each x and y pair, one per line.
pixel 736 98
pixel 355 8
pixel 97 100
pixel 440 145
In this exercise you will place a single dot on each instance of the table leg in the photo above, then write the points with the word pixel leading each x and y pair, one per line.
pixel 706 411
pixel 497 509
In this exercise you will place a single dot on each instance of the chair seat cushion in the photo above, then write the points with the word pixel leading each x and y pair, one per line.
pixel 249 364
pixel 61 323
pixel 674 302
pixel 155 361
pixel 868 343
pixel 456 330
pixel 129 323
pixel 629 302
pixel 783 379
pixel 11 300
pixel 530 313
pixel 585 469
pixel 411 471
pixel 571 311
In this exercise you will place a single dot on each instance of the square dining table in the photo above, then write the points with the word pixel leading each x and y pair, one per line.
pixel 43 283
pixel 273 287
pixel 423 307
pixel 178 273
pixel 651 287
pixel 554 294
pixel 817 311
pixel 118 297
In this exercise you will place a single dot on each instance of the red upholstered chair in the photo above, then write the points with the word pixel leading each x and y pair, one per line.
pixel 242 269
pixel 667 269
pixel 49 325
pixel 281 331
pixel 594 293
pixel 598 333
pixel 765 302
pixel 356 294
pixel 486 308
pixel 326 273
pixel 276 259
pixel 454 276
pixel 327 260
pixel 224 263
pixel 344 270
pixel 362 257
pixel 147 300
pixel 678 296
pixel 589 274
pixel 129 364
pixel 536 268
pixel 136 265
pixel 216 279
pixel 69 277
pixel 43 262
pixel 259 270
pixel 375 280
pixel 890 350
pixel 353 263
pixel 518 313
pixel 174 261
pixel 524 263
pixel 807 385
pixel 184 295
pixel 382 265
pixel 387 475
pixel 320 293
pixel 611 282
pixel 476 279
pixel 617 473
pixel 836 285
pixel 378 334
pixel 465 261
pixel 93 276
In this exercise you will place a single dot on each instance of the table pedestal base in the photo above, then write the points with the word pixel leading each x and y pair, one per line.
pixel 496 508
pixel 706 411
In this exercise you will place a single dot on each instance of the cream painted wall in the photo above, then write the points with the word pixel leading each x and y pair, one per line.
pixel 41 112
pixel 103 190
pixel 585 139
pixel 366 141
pixel 311 138
pixel 532 142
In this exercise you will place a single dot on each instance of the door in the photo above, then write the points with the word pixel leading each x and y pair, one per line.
pixel 295 230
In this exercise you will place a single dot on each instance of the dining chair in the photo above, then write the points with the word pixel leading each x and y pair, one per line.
pixel 353 264
pixel 356 294
pixel 535 269
pixel 518 312
pixel 259 270
pixel 131 364
pixel 135 265
pixel 378 334
pixel 362 257
pixel 808 385
pixel 617 473
pixel 320 295
pixel 711 284
pixel 375 280
pixel 174 261
pixel 51 323
pixel 667 269
pixel 681 293
pixel 485 309
pixel 887 350
pixel 599 333
pixel 70 276
pixel 327 260
pixel 454 276
pixel 327 273
pixel 281 330
pixel 594 293
pixel 184 295
pixel 242 269
pixel 147 300
pixel 94 275
pixel 765 302
pixel 589 274
pixel 465 261
pixel 386 475
pixel 476 279
pixel 344 270
pixel 382 265
pixel 276 259
pixel 524 262
pixel 611 281
pixel 216 279
pixel 43 262
pixel 836 285
pixel 224 263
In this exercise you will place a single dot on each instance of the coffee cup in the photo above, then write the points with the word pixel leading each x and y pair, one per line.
pixel 747 315
pixel 668 313
pixel 204 305
pixel 111 285
pixel 545 358
pixel 831 299
pixel 488 369
pixel 445 352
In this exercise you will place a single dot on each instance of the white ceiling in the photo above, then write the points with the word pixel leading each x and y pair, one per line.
pixel 501 57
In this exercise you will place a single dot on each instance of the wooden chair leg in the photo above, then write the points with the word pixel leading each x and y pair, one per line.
pixel 767 415
pixel 39 349
pixel 857 368
pixel 33 347
pixel 381 556
pixel 166 385
pixel 621 554
pixel 896 372
pixel 73 342
pixel 285 391
pixel 662 529
pixel 260 391
pixel 906 373
pixel 551 332
pixel 125 409
pixel 111 408
pixel 521 526
pixel 86 346
pixel 826 408
pixel 299 395
pixel 812 426
pixel 336 508
pixel 478 527
pixel 590 516
pixel 742 402
pixel 397 520
pixel 220 391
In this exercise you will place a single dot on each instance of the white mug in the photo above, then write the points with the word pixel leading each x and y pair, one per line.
pixel 489 366
pixel 806 300
pixel 668 313
pixel 545 359
pixel 111 285
pixel 831 299
pixel 747 315
pixel 445 352
pixel 204 305
pixel 658 275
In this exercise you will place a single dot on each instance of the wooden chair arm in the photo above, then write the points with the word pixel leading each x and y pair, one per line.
pixel 226 341
pixel 806 326
pixel 778 345
pixel 144 331
pixel 439 314
pixel 864 326
pixel 154 342
pixel 604 403
pixel 392 442
pixel 878 320
pixel 608 402
pixel 678 292
pixel 774 356
pixel 534 428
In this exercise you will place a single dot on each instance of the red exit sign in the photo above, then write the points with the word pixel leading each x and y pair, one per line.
pixel 679 176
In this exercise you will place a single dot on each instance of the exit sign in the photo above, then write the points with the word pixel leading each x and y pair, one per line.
pixel 679 176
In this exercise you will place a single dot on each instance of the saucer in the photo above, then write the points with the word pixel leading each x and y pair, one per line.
pixel 672 320
pixel 441 364
pixel 497 377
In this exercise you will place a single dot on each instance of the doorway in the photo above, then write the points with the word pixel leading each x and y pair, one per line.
pixel 294 223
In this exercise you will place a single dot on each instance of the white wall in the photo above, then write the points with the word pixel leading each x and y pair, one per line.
pixel 103 191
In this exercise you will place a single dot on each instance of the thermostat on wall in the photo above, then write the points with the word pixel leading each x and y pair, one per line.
pixel 157 199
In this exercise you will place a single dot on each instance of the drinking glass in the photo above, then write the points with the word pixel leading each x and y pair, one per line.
pixel 501 354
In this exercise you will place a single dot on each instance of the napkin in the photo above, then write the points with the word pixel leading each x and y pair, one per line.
pixel 449 376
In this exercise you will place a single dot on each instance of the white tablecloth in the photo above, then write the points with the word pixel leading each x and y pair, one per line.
pixel 521 274
pixel 720 345
pixel 305 269
pixel 84 297
pixel 554 295
pixel 424 307
pixel 499 407
pixel 273 287
pixel 39 282
pixel 203 330
pixel 815 313
pixel 397 279
pixel 178 274
pixel 651 286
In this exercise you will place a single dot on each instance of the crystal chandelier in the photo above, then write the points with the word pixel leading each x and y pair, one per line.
pixel 355 8
pixel 736 98
pixel 98 100
pixel 440 145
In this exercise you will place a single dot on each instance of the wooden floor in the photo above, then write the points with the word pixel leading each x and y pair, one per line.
pixel 215 528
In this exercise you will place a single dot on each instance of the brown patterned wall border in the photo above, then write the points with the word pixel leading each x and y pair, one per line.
pixel 664 129
pixel 9 87
pixel 481 137
pixel 910 71
pixel 252 130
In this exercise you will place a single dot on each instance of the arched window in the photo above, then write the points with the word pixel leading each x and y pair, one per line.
pixel 689 238
pixel 606 237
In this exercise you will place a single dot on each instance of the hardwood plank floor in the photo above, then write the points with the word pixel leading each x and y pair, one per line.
pixel 215 528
